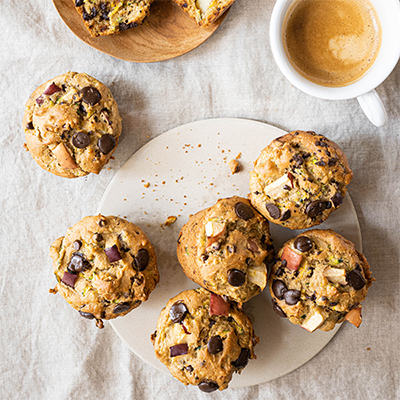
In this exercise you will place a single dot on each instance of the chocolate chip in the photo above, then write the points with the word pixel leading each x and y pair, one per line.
pixel 204 257
pixel 231 248
pixel 315 208
pixel 178 312
pixel 98 237
pixel 320 143
pixel 286 215
pixel 324 298
pixel 243 358
pixel 279 272
pixel 333 304
pixel 106 143
pixel 123 26
pixel 248 261
pixel 81 140
pixel 279 311
pixel 77 244
pixel 320 163
pixel 216 246
pixel 299 160
pixel 215 344
pixel 337 199
pixel 328 205
pixel 78 3
pixel 279 288
pixel 286 187
pixel 244 211
pixel 332 161
pixel 292 297
pixel 102 222
pixel 303 244
pixel 78 263
pixel 355 279
pixel 90 95
pixel 189 368
pixel 86 315
pixel 122 307
pixel 29 125
pixel 142 259
pixel 236 277
pixel 208 386
pixel 273 210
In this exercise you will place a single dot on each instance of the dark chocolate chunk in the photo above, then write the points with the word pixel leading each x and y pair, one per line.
pixel 98 237
pixel 337 199
pixel 236 277
pixel 106 143
pixel 292 297
pixel 355 279
pixel 178 312
pixel 29 125
pixel 279 288
pixel 178 350
pixel 273 210
pixel 208 386
pixel 315 208
pixel 69 279
pixel 243 358
pixel 279 311
pixel 53 88
pixel 142 259
pixel 122 307
pixel 86 315
pixel 113 253
pixel 244 211
pixel 215 344
pixel 286 215
pixel 90 95
pixel 303 244
pixel 78 263
pixel 80 140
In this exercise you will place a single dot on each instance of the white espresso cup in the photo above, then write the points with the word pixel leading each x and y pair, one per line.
pixel 363 89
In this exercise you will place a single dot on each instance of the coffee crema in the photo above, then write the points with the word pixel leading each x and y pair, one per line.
pixel 332 42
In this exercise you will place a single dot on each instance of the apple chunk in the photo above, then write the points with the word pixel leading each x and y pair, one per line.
pixel 354 317
pixel 218 306
pixel 63 157
pixel 335 275
pixel 314 322
pixel 275 188
pixel 293 260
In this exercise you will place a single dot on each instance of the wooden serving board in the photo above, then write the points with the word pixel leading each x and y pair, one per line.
pixel 168 32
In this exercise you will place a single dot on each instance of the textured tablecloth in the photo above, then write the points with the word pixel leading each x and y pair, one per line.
pixel 48 353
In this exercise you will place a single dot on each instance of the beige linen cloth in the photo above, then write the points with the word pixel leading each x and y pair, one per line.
pixel 46 352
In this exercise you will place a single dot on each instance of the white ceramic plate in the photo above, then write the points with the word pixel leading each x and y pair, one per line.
pixel 187 168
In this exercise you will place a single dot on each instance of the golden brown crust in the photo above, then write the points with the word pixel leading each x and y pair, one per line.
pixel 104 288
pixel 299 179
pixel 198 326
pixel 51 121
pixel 216 241
pixel 331 279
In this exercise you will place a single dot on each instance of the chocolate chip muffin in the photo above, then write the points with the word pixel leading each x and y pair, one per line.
pixel 105 17
pixel 319 280
pixel 104 266
pixel 225 249
pixel 204 12
pixel 299 179
pixel 72 125
pixel 203 340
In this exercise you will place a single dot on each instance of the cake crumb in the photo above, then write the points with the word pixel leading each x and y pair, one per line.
pixel 169 221
pixel 234 166
pixel 146 185
pixel 238 156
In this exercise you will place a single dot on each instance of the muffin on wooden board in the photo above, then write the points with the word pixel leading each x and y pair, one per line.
pixel 72 125
pixel 105 17
pixel 104 266
pixel 203 339
pixel 225 249
pixel 319 280
pixel 204 12
pixel 299 180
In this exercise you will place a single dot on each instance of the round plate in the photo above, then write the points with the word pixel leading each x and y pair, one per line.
pixel 187 170
pixel 167 32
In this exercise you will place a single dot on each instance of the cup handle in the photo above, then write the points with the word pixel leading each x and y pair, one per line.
pixel 373 108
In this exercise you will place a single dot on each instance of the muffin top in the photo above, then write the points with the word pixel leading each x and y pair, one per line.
pixel 72 125
pixel 225 248
pixel 299 179
pixel 319 279
pixel 104 266
pixel 203 339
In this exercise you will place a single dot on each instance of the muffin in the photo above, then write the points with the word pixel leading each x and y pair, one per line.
pixel 204 12
pixel 72 125
pixel 104 266
pixel 319 280
pixel 105 17
pixel 225 248
pixel 203 339
pixel 299 180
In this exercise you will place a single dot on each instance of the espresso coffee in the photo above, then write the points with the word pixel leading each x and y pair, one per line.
pixel 332 42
